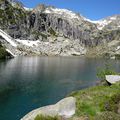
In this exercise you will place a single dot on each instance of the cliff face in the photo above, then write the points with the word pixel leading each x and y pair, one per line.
pixel 52 25
pixel 43 22
pixel 57 22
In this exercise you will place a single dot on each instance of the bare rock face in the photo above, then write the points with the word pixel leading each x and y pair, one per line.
pixel 50 23
pixel 44 21
pixel 66 107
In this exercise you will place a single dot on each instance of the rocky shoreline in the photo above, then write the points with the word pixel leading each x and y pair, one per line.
pixel 81 104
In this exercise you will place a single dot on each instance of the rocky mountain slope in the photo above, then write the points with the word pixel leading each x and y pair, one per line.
pixel 59 31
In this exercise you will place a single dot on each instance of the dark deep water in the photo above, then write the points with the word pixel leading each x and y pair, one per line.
pixel 27 83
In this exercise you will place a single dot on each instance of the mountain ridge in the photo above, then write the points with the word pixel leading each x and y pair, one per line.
pixel 54 26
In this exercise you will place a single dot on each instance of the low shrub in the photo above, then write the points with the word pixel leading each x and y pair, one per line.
pixel 3 52
pixel 107 70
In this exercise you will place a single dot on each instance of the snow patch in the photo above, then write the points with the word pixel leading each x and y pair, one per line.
pixel 63 12
pixel 101 23
pixel 118 48
pixel 7 38
pixel 28 9
pixel 10 53
pixel 113 18
pixel 28 43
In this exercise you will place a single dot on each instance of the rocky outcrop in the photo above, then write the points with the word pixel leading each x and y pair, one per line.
pixel 66 108
pixel 112 79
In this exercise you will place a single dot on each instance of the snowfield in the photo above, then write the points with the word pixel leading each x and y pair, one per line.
pixel 7 38
pixel 63 12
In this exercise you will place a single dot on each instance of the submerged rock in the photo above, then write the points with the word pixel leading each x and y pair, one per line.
pixel 66 108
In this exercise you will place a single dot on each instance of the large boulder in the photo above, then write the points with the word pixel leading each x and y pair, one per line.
pixel 112 78
pixel 66 107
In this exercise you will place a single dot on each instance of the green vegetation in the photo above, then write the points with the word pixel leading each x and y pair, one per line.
pixel 107 70
pixel 43 35
pixel 52 32
pixel 11 15
pixel 3 52
pixel 117 56
pixel 93 101
pixel 41 117
pixel 37 34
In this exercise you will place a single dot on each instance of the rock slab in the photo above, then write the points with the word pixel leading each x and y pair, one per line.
pixel 66 107
pixel 112 79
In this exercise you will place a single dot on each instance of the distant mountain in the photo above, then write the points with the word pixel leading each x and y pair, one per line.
pixel 54 26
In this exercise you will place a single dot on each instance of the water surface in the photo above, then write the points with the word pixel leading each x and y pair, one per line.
pixel 27 83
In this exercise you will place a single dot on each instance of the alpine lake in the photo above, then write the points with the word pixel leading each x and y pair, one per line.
pixel 27 83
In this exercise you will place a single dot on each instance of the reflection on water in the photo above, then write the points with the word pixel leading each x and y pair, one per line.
pixel 30 82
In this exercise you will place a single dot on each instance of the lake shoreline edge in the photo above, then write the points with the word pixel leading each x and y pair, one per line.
pixel 84 114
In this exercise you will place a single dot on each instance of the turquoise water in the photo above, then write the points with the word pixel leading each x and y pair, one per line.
pixel 27 83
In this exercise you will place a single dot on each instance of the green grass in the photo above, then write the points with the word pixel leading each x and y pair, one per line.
pixel 41 117
pixel 98 99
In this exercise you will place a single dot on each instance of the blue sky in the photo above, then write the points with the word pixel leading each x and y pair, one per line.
pixel 92 9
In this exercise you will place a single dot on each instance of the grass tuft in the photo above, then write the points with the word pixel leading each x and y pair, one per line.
pixel 42 117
